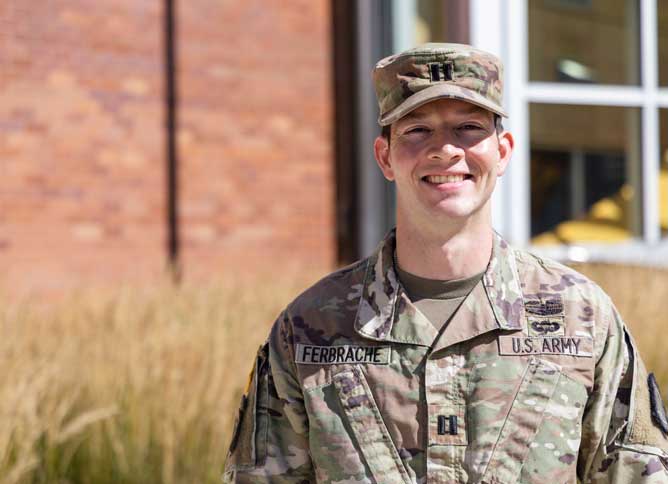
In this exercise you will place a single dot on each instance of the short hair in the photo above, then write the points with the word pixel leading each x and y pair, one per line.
pixel 386 131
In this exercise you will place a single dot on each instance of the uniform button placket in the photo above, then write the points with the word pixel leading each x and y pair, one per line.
pixel 446 405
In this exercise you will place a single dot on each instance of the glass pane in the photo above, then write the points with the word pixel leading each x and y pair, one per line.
pixel 429 22
pixel 441 21
pixel 663 174
pixel 662 10
pixel 585 174
pixel 587 41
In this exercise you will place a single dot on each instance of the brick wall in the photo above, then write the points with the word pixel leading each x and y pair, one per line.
pixel 82 136
pixel 81 191
pixel 256 138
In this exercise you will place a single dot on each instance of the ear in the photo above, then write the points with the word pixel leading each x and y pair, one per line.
pixel 381 150
pixel 506 145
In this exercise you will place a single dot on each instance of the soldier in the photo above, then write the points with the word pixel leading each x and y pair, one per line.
pixel 447 356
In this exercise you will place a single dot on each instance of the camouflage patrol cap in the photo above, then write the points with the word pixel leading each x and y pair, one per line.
pixel 406 81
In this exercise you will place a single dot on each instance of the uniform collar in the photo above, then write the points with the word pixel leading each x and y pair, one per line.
pixel 385 313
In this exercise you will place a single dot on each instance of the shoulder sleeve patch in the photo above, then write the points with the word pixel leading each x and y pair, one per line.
pixel 249 437
pixel 656 402
pixel 642 427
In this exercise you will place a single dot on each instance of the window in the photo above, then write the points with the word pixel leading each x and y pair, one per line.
pixel 662 22
pixel 663 174
pixel 430 25
pixel 593 42
pixel 588 109
pixel 585 174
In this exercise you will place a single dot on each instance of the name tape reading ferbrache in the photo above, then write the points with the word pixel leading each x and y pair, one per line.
pixel 332 355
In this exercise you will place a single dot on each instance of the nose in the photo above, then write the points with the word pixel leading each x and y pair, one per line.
pixel 446 150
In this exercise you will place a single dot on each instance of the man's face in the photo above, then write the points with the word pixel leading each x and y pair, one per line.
pixel 444 158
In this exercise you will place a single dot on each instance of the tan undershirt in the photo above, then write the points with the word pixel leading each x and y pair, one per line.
pixel 437 300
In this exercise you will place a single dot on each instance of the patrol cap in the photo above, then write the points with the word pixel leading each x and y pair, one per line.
pixel 406 81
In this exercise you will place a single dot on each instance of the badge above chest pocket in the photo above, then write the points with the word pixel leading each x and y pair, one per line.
pixel 545 318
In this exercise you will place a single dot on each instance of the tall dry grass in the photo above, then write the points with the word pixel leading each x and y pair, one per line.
pixel 130 386
pixel 141 385
pixel 641 295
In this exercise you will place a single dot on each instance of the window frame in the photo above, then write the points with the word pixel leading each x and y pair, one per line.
pixel 507 34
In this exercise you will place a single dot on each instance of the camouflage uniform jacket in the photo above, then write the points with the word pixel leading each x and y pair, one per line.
pixel 535 379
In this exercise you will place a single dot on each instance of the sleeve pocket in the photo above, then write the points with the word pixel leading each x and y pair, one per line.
pixel 248 447
pixel 522 422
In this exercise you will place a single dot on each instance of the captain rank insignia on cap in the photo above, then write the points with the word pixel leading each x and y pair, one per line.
pixel 441 71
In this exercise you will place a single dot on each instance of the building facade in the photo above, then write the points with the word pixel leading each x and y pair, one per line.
pixel 141 136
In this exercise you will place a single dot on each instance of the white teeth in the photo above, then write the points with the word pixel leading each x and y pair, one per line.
pixel 444 178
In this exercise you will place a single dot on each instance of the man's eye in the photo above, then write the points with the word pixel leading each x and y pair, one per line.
pixel 468 127
pixel 416 130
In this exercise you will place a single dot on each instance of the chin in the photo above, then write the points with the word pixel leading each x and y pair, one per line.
pixel 455 211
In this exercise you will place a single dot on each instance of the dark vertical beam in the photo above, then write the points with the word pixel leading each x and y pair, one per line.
pixel 457 21
pixel 344 55
pixel 171 148
pixel 376 195
pixel 361 35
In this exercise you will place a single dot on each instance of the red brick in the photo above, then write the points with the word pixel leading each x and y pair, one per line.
pixel 82 137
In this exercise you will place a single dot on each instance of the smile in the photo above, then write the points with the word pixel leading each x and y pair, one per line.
pixel 438 179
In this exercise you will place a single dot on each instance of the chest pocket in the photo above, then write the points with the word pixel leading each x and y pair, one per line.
pixel 368 428
pixel 522 422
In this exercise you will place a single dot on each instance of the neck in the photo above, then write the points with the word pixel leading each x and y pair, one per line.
pixel 455 253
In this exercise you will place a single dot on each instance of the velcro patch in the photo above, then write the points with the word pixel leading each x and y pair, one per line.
pixel 553 345
pixel 656 402
pixel 333 355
